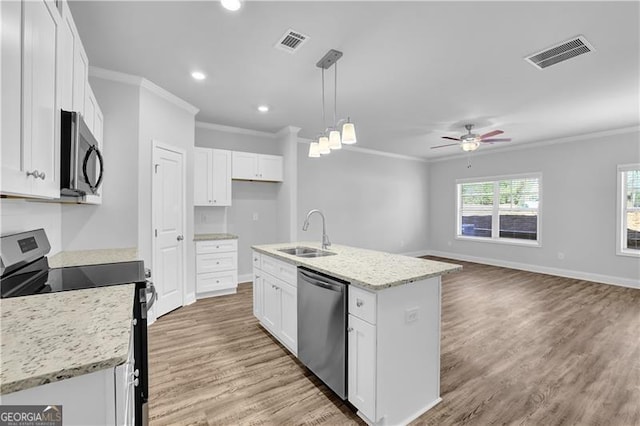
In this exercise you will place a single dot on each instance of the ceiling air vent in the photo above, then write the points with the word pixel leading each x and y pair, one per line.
pixel 560 52
pixel 291 41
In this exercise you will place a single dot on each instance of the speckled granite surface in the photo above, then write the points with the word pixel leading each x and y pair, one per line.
pixel 213 237
pixel 367 268
pixel 92 257
pixel 56 336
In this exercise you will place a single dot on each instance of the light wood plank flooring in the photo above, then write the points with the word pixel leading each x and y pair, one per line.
pixel 517 348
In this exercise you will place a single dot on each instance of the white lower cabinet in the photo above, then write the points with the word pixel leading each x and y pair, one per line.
pixel 272 303
pixel 275 299
pixel 361 366
pixel 216 267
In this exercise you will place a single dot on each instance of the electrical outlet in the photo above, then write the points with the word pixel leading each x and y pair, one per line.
pixel 411 315
pixel 449 243
pixel 560 255
pixel 401 243
pixel 255 215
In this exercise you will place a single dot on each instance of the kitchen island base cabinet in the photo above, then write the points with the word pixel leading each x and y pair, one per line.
pixel 394 351
pixel 275 299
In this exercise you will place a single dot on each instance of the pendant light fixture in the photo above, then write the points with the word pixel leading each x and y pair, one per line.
pixel 332 138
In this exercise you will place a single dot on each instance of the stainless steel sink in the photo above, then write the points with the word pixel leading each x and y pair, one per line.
pixel 306 252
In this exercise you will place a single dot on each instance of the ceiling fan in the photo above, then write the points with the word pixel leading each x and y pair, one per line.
pixel 471 141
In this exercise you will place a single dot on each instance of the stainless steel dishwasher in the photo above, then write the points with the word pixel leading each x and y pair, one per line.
pixel 322 323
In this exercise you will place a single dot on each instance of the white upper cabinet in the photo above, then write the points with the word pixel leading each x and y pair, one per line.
pixel 30 157
pixel 251 166
pixel 79 64
pixel 212 177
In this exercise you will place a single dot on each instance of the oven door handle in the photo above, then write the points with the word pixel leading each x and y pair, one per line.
pixel 154 294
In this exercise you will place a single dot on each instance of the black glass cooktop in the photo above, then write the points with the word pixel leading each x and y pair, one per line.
pixel 38 278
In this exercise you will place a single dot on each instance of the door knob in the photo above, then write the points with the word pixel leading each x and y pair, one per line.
pixel 350 329
pixel 35 174
pixel 180 238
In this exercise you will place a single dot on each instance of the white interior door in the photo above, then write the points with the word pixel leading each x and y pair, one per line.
pixel 168 221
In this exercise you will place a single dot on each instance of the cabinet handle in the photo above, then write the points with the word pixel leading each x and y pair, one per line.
pixel 217 281
pixel 136 382
pixel 35 174
pixel 217 263
pixel 350 329
pixel 179 238
pixel 359 302
pixel 255 259
pixel 215 201
pixel 41 175
pixel 257 276
pixel 136 373
pixel 209 200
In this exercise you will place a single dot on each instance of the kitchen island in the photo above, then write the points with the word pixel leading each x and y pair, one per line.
pixel 393 322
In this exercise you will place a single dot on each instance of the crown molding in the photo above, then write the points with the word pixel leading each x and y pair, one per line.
pixel 142 82
pixel 373 152
pixel 568 139
pixel 231 129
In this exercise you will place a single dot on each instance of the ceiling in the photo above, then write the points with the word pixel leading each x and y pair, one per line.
pixel 411 71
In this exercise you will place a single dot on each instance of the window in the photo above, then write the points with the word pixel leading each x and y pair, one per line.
pixel 502 209
pixel 629 210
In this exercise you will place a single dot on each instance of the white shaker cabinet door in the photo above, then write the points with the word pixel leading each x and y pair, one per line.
pixel 270 168
pixel 289 326
pixel 40 113
pixel 221 177
pixel 201 177
pixel 362 366
pixel 271 308
pixel 244 165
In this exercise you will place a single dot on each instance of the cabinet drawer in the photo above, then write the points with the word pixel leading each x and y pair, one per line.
pixel 216 246
pixel 279 269
pixel 362 304
pixel 216 262
pixel 216 281
pixel 257 260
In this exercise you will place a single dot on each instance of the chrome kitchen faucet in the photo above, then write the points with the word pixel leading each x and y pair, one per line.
pixel 325 238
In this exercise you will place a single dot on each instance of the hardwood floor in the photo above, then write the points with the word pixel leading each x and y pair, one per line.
pixel 517 348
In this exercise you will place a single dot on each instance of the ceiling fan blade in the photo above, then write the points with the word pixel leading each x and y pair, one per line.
pixel 496 140
pixel 442 146
pixel 449 137
pixel 493 133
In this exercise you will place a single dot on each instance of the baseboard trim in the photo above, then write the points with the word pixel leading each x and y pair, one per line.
pixel 418 253
pixel 566 273
pixel 215 293
pixel 189 299
pixel 245 278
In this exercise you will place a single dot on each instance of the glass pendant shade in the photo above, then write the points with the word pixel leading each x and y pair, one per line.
pixel 470 145
pixel 323 143
pixel 334 140
pixel 349 133
pixel 314 150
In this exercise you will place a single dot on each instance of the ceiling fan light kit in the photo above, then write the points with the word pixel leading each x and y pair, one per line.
pixel 471 141
pixel 332 138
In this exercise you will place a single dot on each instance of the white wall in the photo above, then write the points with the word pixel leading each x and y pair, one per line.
pixel 165 122
pixel 247 197
pixel 113 224
pixel 20 215
pixel 369 201
pixel 578 207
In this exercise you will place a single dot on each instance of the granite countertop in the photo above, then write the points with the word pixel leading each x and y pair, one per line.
pixel 92 257
pixel 213 237
pixel 56 336
pixel 367 268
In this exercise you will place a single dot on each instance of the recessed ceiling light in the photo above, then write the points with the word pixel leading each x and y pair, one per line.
pixel 198 75
pixel 231 5
pixel 263 108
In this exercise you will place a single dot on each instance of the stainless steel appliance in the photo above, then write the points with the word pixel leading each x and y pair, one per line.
pixel 81 162
pixel 322 323
pixel 24 271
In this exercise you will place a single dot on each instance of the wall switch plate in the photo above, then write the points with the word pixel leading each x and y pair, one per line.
pixel 411 315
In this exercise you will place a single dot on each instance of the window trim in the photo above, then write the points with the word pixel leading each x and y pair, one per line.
pixel 621 219
pixel 495 215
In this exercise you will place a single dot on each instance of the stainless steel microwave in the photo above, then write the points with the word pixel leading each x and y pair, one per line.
pixel 81 162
